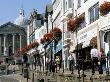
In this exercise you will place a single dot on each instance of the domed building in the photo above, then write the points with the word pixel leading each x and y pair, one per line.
pixel 13 36
pixel 21 20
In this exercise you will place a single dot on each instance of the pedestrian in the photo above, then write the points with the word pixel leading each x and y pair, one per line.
pixel 57 63
pixel 102 61
pixel 53 66
pixel 95 58
pixel 71 62
pixel 80 61
pixel 108 55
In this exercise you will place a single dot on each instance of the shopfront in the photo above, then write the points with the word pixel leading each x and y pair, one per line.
pixel 85 42
pixel 105 39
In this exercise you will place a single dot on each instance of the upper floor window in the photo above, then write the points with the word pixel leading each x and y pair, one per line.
pixel 78 3
pixel 63 6
pixel 69 3
pixel 66 5
pixel 85 0
pixel 94 13
pixel 82 23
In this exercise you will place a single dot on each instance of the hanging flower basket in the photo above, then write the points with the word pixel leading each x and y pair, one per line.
pixel 57 33
pixel 29 47
pixel 23 50
pixel 104 8
pixel 48 37
pixel 42 40
pixel 72 24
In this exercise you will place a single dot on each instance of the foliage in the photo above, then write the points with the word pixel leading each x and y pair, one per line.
pixel 104 8
pixel 72 24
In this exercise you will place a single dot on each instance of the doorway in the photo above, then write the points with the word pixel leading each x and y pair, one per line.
pixel 10 50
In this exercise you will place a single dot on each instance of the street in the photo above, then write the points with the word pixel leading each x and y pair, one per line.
pixel 57 77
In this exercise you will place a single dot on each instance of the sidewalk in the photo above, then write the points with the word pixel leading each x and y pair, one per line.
pixel 61 77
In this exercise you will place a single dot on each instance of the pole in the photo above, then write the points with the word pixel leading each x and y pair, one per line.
pixel 51 57
pixel 33 73
pixel 45 56
pixel 107 71
pixel 78 56
pixel 33 76
pixel 83 67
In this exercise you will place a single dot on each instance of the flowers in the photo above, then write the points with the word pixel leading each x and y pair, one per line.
pixel 27 48
pixel 57 33
pixel 42 40
pixel 104 8
pixel 48 37
pixel 53 34
pixel 72 24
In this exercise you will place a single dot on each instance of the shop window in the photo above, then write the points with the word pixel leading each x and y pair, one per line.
pixel 94 13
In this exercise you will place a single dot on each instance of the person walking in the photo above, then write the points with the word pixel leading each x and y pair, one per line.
pixel 94 56
pixel 102 61
pixel 57 63
pixel 71 63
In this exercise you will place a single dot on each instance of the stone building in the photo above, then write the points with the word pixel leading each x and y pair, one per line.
pixel 12 37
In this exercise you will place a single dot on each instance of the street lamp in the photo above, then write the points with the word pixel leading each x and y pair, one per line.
pixel 45 46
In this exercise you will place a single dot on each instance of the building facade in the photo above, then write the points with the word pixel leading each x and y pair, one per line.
pixel 92 30
pixel 12 38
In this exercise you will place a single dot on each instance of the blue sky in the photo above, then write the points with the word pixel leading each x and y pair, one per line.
pixel 9 9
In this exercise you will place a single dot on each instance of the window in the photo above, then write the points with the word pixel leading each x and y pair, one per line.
pixel 85 0
pixel 66 6
pixel 82 25
pixel 69 3
pixel 94 13
pixel 63 6
pixel 79 3
pixel 67 34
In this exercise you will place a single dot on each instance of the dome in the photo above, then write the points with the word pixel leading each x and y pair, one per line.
pixel 21 19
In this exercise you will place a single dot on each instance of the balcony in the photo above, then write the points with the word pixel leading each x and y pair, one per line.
pixel 69 12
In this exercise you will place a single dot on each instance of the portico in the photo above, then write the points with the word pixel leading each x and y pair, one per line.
pixel 12 37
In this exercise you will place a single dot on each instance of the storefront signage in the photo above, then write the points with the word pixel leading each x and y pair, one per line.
pixel 86 37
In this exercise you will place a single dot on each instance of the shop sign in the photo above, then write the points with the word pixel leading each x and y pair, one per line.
pixel 85 38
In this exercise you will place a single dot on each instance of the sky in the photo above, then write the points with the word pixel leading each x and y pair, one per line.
pixel 9 9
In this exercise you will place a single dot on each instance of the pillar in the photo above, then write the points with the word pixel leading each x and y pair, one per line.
pixel 13 43
pixel 20 42
pixel 5 54
pixel 0 45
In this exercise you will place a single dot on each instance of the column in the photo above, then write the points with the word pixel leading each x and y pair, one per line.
pixel 5 45
pixel 13 43
pixel 20 42
pixel 0 45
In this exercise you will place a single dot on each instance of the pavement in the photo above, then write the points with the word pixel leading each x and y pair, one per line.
pixel 56 77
